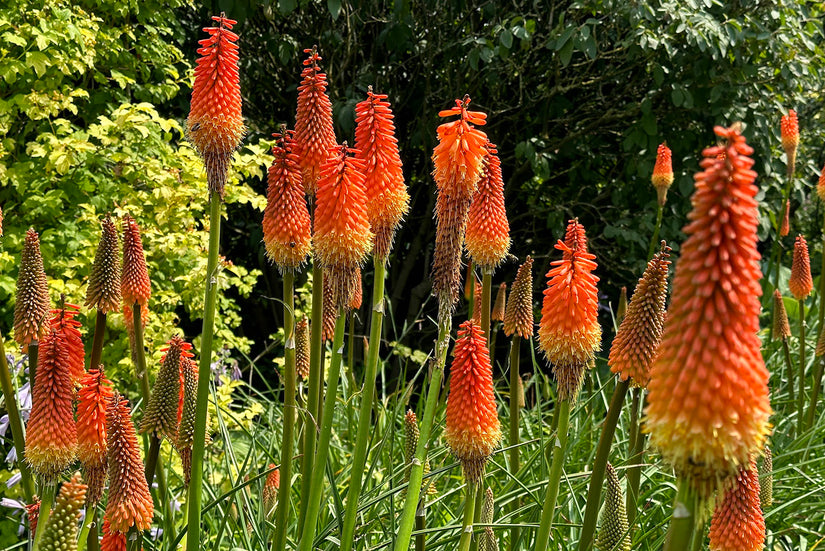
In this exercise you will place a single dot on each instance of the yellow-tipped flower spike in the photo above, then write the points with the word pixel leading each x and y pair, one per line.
pixel 738 523
pixel 103 292
pixel 93 398
pixel 487 540
pixel 134 279
pixel 662 177
pixel 766 480
pixel 32 299
pixel 329 311
pixel 708 403
pixel 785 227
pixel 487 237
pixel 272 484
pixel 161 416
pixel 518 315
pixel 641 329
pixel 302 348
pixel 499 305
pixel 781 326
pixel 613 529
pixel 186 428
pixel 60 532
pixel 69 339
pixel 820 185
pixel 789 126
pixel 800 283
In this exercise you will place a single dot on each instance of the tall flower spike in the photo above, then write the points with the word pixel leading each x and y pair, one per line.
pixel 641 329
pixel 785 227
pixel 69 339
pixel 662 177
pixel 93 398
pixel 134 278
pixel 820 185
pixel 738 523
pixel 314 135
pixel 302 348
pixel 61 529
pixel 103 292
pixel 488 540
pixel 112 540
pixel 499 305
pixel 186 428
pixel 518 315
pixel 569 332
pixel 287 225
pixel 488 233
pixel 32 302
pixel 766 480
pixel 613 529
pixel 51 433
pixel 357 296
pixel 272 484
pixel 781 326
pixel 329 311
pixel 215 125
pixel 161 416
pixel 708 404
pixel 341 231
pixel 130 503
pixel 477 298
pixel 789 127
pixel 473 429
pixel 411 434
pixel 800 283
pixel 458 161
pixel 387 198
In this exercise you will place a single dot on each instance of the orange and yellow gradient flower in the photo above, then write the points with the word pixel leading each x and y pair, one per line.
pixel 789 128
pixel 134 278
pixel 518 315
pixel 738 523
pixel 662 177
pixel 32 299
pixel 800 283
pixel 93 398
pixel 488 232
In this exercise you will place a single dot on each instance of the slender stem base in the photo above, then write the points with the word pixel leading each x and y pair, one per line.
pixel 97 341
pixel 789 368
pixel 654 240
pixel 47 493
pixel 681 529
pixel 800 399
pixel 469 511
pixel 514 431
pixel 815 388
pixel 486 297
pixel 559 451
pixel 85 536
pixel 637 445
pixel 10 400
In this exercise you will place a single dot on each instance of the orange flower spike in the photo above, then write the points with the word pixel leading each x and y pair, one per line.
pixel 488 233
pixel 708 403
pixel 329 310
pixel 781 326
pixel 130 503
pixel 785 227
pixel 458 157
pixel 286 225
pixel 789 127
pixel 112 540
pixel 215 124
pixel 569 332
pixel 314 134
pixel 165 407
pixel 800 283
pixel 387 198
pixel 93 398
pixel 271 486
pixel 51 433
pixel 498 307
pixel 302 348
pixel 473 429
pixel 186 416
pixel 357 291
pixel 33 512
pixel 662 177
pixel 134 278
pixel 32 303
pixel 518 315
pixel 477 299
pixel 69 337
pixel 820 185
pixel 738 523
pixel 103 292
pixel 641 328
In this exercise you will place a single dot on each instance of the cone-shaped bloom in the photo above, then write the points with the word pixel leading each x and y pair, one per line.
pixel 518 316
pixel 32 302
pixel 781 326
pixel 161 416
pixel 112 540
pixel 186 427
pixel 302 348
pixel 487 540
pixel 477 300
pixel 458 160
pixel 789 127
pixel 662 177
pixel 820 185
pixel 738 523
pixel 766 480
pixel 130 503
pixel 69 339
pixel 411 435
pixel 488 233
pixel 641 329
pixel 499 305
pixel 314 135
pixel 708 403
pixel 357 296
pixel 785 227
pixel 287 225
pixel 800 283
pixel 134 278
pixel 613 530
pixel 103 292
pixel 329 311
pixel 272 484
pixel 473 429
pixel 387 197
pixel 60 532
pixel 51 435
pixel 215 125
pixel 341 231
pixel 621 308
pixel 93 398
pixel 569 333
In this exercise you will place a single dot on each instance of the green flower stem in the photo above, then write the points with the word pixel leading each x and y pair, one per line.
pixel 559 449
pixel 407 520
pixel 594 492
pixel 152 459
pixel 282 511
pixel 698 536
pixel 359 455
pixel 479 501
pixel 85 535
pixel 316 382
pixel 34 348
pixel 193 536
pixel 47 492
pixel 92 541
pixel 351 351
pixel 680 532
pixel 817 384
pixel 789 368
pixel 800 399
pixel 97 341
pixel 17 433
pixel 514 432
pixel 469 511
pixel 140 354
pixel 654 241
pixel 486 292
pixel 636 449
pixel 319 472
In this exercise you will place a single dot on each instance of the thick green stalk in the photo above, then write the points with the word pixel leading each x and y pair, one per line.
pixel 351 351
pixel 469 512
pixel 654 241
pixel 84 536
pixel 152 459
pixel 698 536
pixel 34 348
pixel 319 472
pixel 514 431
pixel 407 520
pixel 800 399
pixel 359 455
pixel 47 493
pixel 420 526
pixel 635 449
pixel 486 293
pixel 681 526
pixel 193 536
pixel 315 383
pixel 559 450
pixel 479 501
pixel 92 541
pixel 16 426
pixel 282 511
pixel 789 368
pixel 817 384
pixel 594 493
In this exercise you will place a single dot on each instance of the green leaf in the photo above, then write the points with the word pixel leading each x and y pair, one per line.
pixel 566 53
pixel 677 97
pixel 287 6
pixel 39 61
pixel 506 39
pixel 334 7
pixel 14 39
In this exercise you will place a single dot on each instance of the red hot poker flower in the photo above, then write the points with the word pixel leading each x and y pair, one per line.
pixel 738 523
pixel 69 338
pixel 488 233
pixel 800 283
pixel 460 151
pixel 789 127
pixel 662 177
pixel 820 185
pixel 32 302
pixel 93 398
pixel 112 540
pixel 103 292
pixel 134 278
pixel 785 227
